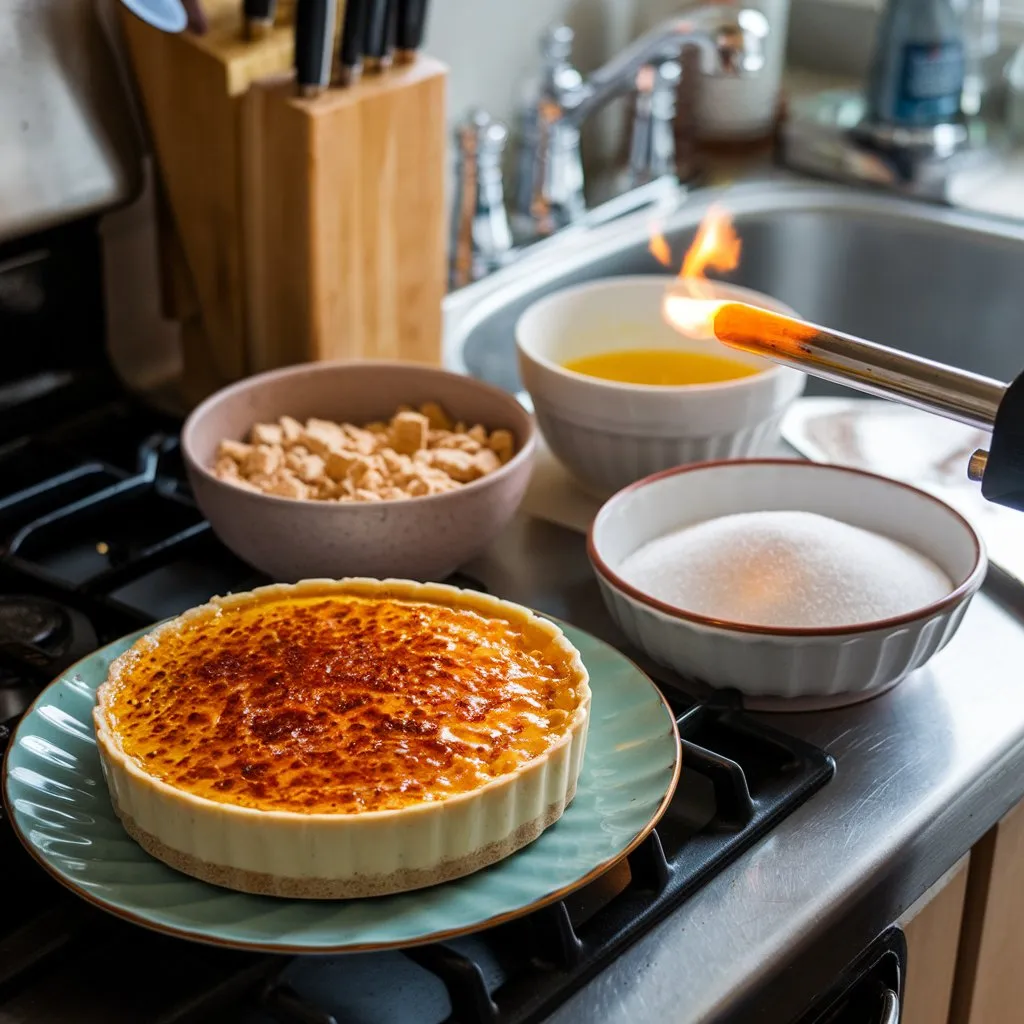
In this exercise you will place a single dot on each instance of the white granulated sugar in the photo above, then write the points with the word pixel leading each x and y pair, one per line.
pixel 789 569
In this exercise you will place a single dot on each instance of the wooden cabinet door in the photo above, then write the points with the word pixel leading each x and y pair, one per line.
pixel 990 968
pixel 932 928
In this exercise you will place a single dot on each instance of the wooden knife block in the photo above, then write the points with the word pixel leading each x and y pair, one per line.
pixel 344 200
pixel 291 229
pixel 191 89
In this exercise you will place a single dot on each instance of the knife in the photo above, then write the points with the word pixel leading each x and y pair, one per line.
pixel 410 20
pixel 314 40
pixel 259 17
pixel 350 50
pixel 377 37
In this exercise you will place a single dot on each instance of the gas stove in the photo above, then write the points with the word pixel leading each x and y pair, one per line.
pixel 99 536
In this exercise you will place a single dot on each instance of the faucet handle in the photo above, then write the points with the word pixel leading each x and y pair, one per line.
pixel 481 238
pixel 652 148
pixel 558 75
pixel 480 134
pixel 556 44
pixel 549 169
pixel 656 86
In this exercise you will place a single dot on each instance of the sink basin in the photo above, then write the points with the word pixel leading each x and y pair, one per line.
pixel 926 279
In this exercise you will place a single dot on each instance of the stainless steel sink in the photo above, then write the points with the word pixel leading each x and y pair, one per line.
pixel 927 279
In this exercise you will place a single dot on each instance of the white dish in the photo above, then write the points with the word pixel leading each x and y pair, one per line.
pixel 862 659
pixel 270 846
pixel 906 444
pixel 609 434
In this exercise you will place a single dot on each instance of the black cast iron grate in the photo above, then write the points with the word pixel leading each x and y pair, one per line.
pixel 101 537
pixel 739 779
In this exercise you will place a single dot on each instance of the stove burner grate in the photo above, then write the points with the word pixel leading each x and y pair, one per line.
pixel 25 619
pixel 69 582
pixel 741 779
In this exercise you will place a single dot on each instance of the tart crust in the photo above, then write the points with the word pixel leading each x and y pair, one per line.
pixel 357 853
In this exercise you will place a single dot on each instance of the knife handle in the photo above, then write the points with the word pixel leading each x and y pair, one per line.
pixel 314 36
pixel 350 49
pixel 377 38
pixel 259 17
pixel 410 20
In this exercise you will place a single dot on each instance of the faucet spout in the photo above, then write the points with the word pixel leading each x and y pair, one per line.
pixel 731 42
pixel 550 192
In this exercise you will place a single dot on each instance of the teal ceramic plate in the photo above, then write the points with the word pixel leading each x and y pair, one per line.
pixel 59 805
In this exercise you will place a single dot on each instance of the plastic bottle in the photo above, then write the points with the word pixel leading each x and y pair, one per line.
pixel 917 75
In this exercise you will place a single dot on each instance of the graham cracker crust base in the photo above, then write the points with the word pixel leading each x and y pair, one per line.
pixel 262 884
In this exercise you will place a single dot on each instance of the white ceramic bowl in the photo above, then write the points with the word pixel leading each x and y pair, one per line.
pixel 609 434
pixel 816 664
pixel 419 538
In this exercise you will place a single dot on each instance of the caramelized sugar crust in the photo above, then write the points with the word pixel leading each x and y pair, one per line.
pixel 341 703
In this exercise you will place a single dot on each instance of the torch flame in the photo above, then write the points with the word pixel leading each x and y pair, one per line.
pixel 694 317
pixel 716 246
pixel 688 305
pixel 660 249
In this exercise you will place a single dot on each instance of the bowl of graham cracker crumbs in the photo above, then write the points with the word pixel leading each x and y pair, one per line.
pixel 358 468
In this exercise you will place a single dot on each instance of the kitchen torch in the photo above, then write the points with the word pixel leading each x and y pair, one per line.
pixel 959 395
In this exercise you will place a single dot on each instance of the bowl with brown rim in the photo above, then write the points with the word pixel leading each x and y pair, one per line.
pixel 419 538
pixel 800 667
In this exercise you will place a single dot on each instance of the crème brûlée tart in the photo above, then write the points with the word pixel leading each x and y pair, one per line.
pixel 337 739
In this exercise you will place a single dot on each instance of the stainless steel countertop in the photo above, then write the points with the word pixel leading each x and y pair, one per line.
pixel 923 772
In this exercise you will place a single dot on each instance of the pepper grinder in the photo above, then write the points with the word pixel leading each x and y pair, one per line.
pixel 481 238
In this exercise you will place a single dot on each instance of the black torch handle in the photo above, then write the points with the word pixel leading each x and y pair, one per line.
pixel 314 38
pixel 1002 481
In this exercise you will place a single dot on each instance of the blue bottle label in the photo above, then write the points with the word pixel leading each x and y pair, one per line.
pixel 931 81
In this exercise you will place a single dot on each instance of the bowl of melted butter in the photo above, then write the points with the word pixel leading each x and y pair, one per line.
pixel 656 367
pixel 619 394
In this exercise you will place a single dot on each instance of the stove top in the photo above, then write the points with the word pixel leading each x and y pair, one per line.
pixel 98 537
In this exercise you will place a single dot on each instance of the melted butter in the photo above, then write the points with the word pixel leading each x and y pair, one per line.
pixel 340 704
pixel 660 367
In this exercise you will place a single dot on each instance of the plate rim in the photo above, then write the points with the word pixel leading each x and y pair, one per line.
pixel 347 947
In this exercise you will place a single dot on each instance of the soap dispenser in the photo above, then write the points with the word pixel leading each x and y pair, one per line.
pixel 917 74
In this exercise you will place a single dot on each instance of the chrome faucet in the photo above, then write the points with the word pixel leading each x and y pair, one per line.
pixel 550 190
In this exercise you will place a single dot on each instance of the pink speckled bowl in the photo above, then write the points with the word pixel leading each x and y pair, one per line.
pixel 419 538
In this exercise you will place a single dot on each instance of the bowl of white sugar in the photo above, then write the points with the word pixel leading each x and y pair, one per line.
pixel 785 579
